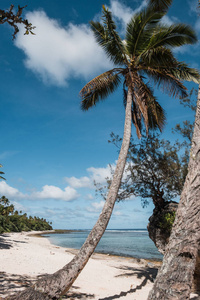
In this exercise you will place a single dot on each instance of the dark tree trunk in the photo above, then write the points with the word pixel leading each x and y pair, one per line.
pixel 174 280
pixel 55 285
pixel 159 230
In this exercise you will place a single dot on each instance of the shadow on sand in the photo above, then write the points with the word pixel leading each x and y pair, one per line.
pixel 74 294
pixel 4 242
pixel 11 283
pixel 146 273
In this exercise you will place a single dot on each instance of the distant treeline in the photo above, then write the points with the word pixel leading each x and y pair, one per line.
pixel 13 221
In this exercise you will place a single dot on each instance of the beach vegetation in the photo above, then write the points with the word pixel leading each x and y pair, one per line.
pixel 167 221
pixel 12 221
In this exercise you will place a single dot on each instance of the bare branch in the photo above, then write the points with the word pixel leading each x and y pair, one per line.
pixel 13 19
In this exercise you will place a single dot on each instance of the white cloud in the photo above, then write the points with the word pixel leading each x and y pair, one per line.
pixel 96 207
pixel 79 182
pixel 124 13
pixel 167 20
pixel 120 11
pixel 48 192
pixel 54 192
pixel 10 192
pixel 98 175
pixel 59 53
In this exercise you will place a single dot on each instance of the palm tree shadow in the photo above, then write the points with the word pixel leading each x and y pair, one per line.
pixel 4 242
pixel 77 295
pixel 12 283
pixel 146 273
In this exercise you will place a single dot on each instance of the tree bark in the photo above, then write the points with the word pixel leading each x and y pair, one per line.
pixel 55 285
pixel 174 280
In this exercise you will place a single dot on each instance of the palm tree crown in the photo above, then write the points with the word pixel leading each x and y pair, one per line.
pixel 142 58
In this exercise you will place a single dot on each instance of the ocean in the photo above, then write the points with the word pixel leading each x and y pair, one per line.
pixel 130 242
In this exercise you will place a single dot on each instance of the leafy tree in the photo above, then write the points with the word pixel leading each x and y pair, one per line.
pixel 146 52
pixel 11 220
pixel 155 171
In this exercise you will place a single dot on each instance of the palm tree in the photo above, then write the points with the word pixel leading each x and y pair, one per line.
pixel 145 53
pixel 182 255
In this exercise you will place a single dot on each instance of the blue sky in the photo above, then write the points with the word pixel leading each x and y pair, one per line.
pixel 51 151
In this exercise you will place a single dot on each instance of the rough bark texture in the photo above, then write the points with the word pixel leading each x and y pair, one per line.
pixel 174 280
pixel 160 235
pixel 196 281
pixel 55 285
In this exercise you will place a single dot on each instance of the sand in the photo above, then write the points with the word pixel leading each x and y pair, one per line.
pixel 24 257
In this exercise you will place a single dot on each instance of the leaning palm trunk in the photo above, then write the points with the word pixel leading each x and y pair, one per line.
pixel 174 280
pixel 57 284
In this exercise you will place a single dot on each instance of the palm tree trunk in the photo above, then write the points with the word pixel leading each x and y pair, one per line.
pixel 55 285
pixel 175 277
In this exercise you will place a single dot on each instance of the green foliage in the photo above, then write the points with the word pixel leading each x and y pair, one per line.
pixel 155 170
pixel 144 59
pixel 167 221
pixel 12 221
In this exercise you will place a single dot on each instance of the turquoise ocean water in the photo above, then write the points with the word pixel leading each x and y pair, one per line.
pixel 129 242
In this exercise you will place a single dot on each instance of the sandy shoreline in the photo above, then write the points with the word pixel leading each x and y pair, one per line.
pixel 24 257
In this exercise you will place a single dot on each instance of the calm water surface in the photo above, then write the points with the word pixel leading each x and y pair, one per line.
pixel 131 242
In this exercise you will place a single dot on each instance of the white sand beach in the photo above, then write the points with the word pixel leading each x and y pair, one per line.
pixel 24 257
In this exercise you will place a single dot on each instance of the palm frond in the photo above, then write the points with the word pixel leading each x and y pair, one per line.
pixel 99 88
pixel 156 115
pixel 135 83
pixel 108 38
pixel 162 59
pixel 160 5
pixel 183 72
pixel 140 28
pixel 137 120
pixel 1 177
pixel 145 107
pixel 169 83
pixel 136 114
pixel 156 57
pixel 161 66
pixel 172 36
